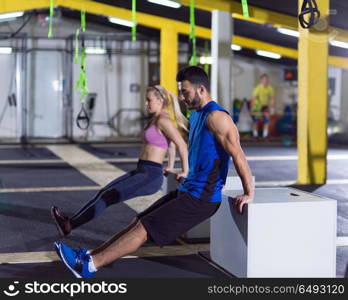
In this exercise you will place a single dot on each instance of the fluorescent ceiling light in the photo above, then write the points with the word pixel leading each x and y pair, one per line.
pixel 95 50
pixel 11 15
pixel 205 60
pixel 268 54
pixel 290 32
pixel 236 47
pixel 339 44
pixel 5 50
pixel 168 3
pixel 121 22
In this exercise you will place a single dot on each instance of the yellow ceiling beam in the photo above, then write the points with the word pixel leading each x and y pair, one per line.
pixel 254 44
pixel 335 61
pixel 260 15
pixel 169 61
pixel 156 22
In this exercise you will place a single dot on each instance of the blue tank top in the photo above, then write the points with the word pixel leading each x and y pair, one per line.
pixel 208 161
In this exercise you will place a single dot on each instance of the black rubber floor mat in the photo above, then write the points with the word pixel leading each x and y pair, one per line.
pixel 26 224
pixel 26 153
pixel 112 152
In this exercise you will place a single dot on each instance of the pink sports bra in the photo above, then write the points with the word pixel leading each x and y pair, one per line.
pixel 153 137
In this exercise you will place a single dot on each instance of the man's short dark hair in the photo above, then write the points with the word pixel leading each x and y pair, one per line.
pixel 195 75
pixel 264 75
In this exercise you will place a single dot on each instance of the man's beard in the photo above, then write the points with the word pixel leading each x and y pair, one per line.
pixel 195 103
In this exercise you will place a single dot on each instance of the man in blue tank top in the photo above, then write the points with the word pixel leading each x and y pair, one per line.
pixel 213 139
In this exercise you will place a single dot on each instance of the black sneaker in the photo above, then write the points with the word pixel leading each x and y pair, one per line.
pixel 62 222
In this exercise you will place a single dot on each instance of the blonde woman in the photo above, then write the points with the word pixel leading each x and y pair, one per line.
pixel 147 178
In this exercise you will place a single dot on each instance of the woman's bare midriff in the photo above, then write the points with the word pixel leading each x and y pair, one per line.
pixel 153 153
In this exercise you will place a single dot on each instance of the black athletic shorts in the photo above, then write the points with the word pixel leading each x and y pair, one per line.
pixel 175 214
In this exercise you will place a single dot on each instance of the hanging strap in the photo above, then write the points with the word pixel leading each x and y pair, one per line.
pixel 83 20
pixel 245 9
pixel 206 54
pixel 134 20
pixel 192 36
pixel 309 7
pixel 50 25
pixel 76 56
pixel 77 35
pixel 81 83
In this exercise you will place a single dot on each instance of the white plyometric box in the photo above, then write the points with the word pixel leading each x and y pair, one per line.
pixel 202 230
pixel 283 233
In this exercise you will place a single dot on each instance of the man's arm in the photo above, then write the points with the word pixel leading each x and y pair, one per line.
pixel 272 101
pixel 226 133
pixel 171 156
pixel 254 96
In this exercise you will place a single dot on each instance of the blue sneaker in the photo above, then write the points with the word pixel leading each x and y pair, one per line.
pixel 75 259
pixel 57 247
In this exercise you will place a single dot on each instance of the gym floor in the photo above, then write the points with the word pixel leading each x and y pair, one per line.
pixel 33 178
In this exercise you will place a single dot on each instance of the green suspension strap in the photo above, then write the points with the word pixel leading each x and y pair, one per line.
pixel 50 25
pixel 83 20
pixel 81 83
pixel 82 120
pixel 310 14
pixel 206 54
pixel 134 20
pixel 245 9
pixel 192 36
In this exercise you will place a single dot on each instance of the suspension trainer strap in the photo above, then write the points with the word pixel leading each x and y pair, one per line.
pixel 82 120
pixel 50 25
pixel 134 20
pixel 245 9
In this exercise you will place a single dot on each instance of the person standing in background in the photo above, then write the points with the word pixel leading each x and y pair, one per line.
pixel 262 105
